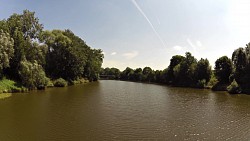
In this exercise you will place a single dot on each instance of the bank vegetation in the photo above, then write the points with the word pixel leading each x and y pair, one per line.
pixel 33 58
pixel 229 74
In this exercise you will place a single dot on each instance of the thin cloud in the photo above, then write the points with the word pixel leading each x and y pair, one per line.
pixel 130 55
pixel 149 22
pixel 178 48
pixel 197 46
pixel 192 45
pixel 198 43
pixel 113 53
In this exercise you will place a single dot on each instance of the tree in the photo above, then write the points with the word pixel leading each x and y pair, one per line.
pixel 32 75
pixel 175 60
pixel 138 76
pixel 223 69
pixel 127 74
pixel 94 63
pixel 24 29
pixel 186 71
pixel 67 56
pixel 203 70
pixel 148 74
pixel 160 76
pixel 116 72
pixel 241 61
pixel 6 50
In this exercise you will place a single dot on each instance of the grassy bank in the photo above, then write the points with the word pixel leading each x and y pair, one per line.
pixel 10 86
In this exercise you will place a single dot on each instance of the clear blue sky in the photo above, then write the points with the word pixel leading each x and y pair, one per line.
pixel 139 33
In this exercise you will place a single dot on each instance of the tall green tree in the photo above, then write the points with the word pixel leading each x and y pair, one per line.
pixel 138 76
pixel 175 60
pixel 186 70
pixel 223 69
pixel 64 59
pixel 148 74
pixel 94 64
pixel 24 29
pixel 203 70
pixel 239 59
pixel 6 50
pixel 127 74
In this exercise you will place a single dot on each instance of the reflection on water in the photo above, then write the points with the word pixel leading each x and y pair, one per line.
pixel 5 95
pixel 116 110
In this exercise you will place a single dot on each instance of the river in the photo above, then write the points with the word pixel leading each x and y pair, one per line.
pixel 117 110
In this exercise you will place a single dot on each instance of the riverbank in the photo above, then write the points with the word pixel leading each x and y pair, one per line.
pixel 215 87
pixel 9 86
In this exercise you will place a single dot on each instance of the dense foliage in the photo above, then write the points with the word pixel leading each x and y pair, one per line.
pixel 232 75
pixel 60 82
pixel 6 50
pixel 182 71
pixel 29 55
pixel 32 75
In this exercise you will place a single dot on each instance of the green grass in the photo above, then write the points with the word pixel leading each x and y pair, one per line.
pixel 10 86
pixel 5 95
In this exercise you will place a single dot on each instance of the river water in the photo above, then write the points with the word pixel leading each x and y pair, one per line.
pixel 117 110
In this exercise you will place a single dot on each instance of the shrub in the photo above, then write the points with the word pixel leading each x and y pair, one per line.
pixel 234 88
pixel 213 81
pixel 50 83
pixel 60 82
pixel 201 83
pixel 32 74
pixel 10 86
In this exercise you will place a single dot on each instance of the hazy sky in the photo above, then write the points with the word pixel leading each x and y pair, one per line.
pixel 139 33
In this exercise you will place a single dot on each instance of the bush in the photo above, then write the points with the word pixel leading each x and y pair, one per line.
pixel 213 81
pixel 32 75
pixel 50 83
pixel 60 83
pixel 234 88
pixel 201 83
pixel 10 86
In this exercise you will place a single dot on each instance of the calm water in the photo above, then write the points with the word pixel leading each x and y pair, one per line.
pixel 116 110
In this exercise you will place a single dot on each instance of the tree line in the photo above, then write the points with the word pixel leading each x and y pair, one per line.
pixel 228 74
pixel 34 56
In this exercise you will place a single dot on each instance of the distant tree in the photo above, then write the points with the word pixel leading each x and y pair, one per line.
pixel 186 70
pixel 148 74
pixel 112 72
pixel 223 69
pixel 175 60
pixel 127 74
pixel 116 72
pixel 138 76
pixel 203 70
pixel 239 59
pixel 160 76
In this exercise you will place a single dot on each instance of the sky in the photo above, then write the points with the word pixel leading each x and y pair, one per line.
pixel 140 33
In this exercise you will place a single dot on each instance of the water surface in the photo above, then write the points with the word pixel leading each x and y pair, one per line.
pixel 117 110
